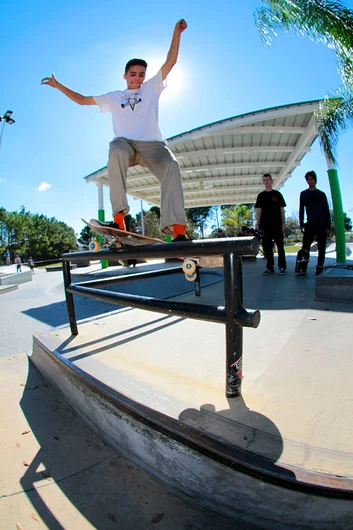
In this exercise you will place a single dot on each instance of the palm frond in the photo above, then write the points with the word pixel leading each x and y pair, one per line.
pixel 326 21
pixel 334 116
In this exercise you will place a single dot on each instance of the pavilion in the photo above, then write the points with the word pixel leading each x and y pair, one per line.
pixel 223 162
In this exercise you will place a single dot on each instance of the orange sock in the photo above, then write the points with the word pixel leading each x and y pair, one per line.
pixel 119 220
pixel 179 229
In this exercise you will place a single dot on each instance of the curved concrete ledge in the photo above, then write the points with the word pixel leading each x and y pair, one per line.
pixel 233 482
pixel 16 278
pixel 7 288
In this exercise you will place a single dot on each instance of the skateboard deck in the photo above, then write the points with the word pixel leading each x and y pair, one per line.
pixel 302 261
pixel 120 236
pixel 114 237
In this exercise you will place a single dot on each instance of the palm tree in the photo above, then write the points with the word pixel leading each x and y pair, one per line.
pixel 331 23
pixel 235 217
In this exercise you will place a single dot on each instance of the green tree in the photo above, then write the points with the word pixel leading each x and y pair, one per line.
pixel 85 236
pixel 292 227
pixel 36 235
pixel 235 217
pixel 330 23
pixel 347 222
pixel 197 218
pixel 151 224
pixel 130 223
pixel 156 210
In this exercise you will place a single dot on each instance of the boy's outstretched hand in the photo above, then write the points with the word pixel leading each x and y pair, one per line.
pixel 181 26
pixel 51 81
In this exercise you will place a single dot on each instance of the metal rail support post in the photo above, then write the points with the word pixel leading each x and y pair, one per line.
pixel 69 298
pixel 233 298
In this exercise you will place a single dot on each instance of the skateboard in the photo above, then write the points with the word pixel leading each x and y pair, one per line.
pixel 115 238
pixel 302 261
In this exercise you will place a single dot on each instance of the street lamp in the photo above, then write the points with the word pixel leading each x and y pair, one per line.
pixel 6 118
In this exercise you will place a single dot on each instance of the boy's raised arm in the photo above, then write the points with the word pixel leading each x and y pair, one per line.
pixel 74 96
pixel 172 56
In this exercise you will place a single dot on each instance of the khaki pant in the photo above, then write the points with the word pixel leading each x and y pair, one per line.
pixel 156 156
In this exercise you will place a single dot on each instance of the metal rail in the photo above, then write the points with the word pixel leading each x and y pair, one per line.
pixel 233 314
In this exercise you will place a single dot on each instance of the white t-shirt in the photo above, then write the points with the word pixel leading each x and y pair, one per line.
pixel 135 112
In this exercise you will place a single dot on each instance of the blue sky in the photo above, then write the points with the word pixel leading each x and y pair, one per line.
pixel 223 70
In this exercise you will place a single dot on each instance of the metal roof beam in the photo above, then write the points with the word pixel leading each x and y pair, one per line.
pixel 211 180
pixel 307 138
pixel 195 203
pixel 230 150
pixel 226 189
pixel 260 129
pixel 235 165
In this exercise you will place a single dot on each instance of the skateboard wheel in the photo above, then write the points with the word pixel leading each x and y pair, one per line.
pixel 191 277
pixel 94 246
pixel 189 266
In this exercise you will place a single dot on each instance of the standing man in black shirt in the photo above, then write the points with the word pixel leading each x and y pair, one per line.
pixel 318 219
pixel 270 219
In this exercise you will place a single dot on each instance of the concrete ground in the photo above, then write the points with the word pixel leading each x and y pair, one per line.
pixel 296 392
pixel 56 473
pixel 296 395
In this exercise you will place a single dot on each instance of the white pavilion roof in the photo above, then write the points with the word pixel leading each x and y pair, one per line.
pixel 223 162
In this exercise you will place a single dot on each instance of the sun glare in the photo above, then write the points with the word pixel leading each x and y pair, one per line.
pixel 175 81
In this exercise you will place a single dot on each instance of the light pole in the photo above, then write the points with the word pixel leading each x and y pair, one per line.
pixel 6 118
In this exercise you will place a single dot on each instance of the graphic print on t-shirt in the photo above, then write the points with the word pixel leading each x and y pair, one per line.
pixel 131 100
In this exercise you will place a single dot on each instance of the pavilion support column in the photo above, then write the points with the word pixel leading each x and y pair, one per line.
pixel 337 210
pixel 101 217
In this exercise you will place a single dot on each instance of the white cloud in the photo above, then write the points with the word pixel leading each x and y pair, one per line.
pixel 44 186
pixel 2 181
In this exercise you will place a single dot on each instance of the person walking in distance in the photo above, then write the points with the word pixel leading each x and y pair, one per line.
pixel 138 139
pixel 318 219
pixel 31 264
pixel 270 206
pixel 18 263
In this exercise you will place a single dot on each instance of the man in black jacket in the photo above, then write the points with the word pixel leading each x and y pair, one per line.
pixel 318 219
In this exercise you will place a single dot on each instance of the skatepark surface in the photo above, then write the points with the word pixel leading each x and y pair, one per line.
pixel 296 405
pixel 296 365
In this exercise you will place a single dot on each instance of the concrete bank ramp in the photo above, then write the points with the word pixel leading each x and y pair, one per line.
pixel 153 387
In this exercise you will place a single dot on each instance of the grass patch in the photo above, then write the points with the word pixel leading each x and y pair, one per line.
pixel 292 248
pixel 58 264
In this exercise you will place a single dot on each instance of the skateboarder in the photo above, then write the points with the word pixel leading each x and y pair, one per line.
pixel 270 220
pixel 318 219
pixel 137 138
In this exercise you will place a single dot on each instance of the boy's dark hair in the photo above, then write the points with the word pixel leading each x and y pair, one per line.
pixel 267 175
pixel 135 62
pixel 311 174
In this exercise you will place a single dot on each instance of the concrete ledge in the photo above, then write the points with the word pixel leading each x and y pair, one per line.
pixel 59 268
pixel 16 278
pixel 213 473
pixel 7 288
pixel 335 285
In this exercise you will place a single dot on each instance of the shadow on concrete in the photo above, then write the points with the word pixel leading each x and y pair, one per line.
pixel 253 437
pixel 104 488
pixel 68 452
pixel 285 292
pixel 165 287
pixel 153 328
